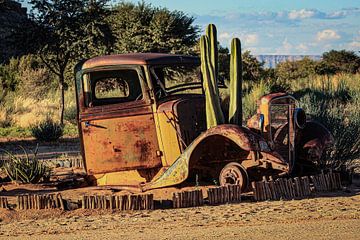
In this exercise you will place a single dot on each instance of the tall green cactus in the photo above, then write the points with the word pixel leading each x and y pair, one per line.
pixel 211 33
pixel 235 107
pixel 214 115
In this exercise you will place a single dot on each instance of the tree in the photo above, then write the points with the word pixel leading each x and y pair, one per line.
pixel 292 70
pixel 144 28
pixel 69 30
pixel 342 61
pixel 252 69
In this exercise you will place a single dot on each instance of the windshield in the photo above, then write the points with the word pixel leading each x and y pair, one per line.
pixel 175 79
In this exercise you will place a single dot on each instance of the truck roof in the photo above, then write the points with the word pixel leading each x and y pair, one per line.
pixel 139 59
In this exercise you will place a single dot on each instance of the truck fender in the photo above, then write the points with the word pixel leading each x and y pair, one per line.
pixel 312 140
pixel 179 170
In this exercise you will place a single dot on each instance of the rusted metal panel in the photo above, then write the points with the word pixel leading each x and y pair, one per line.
pixel 117 144
pixel 139 59
pixel 190 119
pixel 179 171
pixel 312 140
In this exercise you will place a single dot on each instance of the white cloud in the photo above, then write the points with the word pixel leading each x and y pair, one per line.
pixel 224 37
pixel 302 48
pixel 327 34
pixel 354 44
pixel 286 47
pixel 301 14
pixel 250 39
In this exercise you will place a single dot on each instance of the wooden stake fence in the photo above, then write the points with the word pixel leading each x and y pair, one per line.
pixel 326 182
pixel 298 187
pixel 47 201
pixel 122 202
pixel 76 163
pixel 4 203
pixel 226 194
pixel 188 199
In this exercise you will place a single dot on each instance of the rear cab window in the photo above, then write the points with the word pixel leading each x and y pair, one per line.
pixel 113 87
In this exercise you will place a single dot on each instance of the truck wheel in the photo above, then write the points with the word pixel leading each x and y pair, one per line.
pixel 234 173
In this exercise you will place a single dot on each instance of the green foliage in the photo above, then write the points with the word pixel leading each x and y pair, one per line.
pixel 252 69
pixel 35 80
pixel 47 130
pixel 292 70
pixel 69 30
pixel 224 64
pixel 9 76
pixel 344 125
pixel 144 28
pixel 25 170
pixel 251 97
pixel 342 61
pixel 333 103
pixel 17 132
pixel 71 130
pixel 70 114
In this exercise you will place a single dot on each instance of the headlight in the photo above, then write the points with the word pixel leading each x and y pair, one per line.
pixel 300 118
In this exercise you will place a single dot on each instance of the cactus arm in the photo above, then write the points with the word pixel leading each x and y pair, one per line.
pixel 235 106
pixel 214 115
pixel 211 33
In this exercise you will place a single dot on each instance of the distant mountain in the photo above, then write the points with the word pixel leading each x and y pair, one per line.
pixel 270 61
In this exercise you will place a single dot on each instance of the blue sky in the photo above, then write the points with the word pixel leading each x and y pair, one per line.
pixel 277 26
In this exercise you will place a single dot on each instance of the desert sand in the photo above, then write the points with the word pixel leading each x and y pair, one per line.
pixel 331 216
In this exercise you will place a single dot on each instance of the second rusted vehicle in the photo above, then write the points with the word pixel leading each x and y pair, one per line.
pixel 141 120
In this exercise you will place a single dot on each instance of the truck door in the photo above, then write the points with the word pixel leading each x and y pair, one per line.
pixel 117 122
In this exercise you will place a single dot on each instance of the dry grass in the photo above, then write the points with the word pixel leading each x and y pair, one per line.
pixel 25 112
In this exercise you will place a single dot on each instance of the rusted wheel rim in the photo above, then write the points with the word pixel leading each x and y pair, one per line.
pixel 231 174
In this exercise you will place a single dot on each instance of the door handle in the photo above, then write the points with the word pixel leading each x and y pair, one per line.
pixel 88 124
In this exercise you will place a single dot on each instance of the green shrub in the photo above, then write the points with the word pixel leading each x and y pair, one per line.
pixel 26 169
pixel 70 114
pixel 47 130
pixel 16 132
pixel 336 108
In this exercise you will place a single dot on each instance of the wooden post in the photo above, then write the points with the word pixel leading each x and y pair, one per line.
pixel 18 202
pixel 259 191
pixel 298 187
pixel 201 198
pixel 83 202
pixel 60 201
pixel 6 204
pixel 49 202
pixel 338 180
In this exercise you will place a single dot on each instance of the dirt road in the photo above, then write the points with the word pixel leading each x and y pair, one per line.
pixel 331 217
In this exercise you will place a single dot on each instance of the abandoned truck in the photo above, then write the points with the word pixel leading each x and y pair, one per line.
pixel 142 123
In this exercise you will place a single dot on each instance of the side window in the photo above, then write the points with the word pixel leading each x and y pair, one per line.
pixel 110 87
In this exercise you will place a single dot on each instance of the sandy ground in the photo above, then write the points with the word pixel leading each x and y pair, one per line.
pixel 328 216
pixel 325 217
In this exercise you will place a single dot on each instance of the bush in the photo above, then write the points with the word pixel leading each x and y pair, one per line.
pixel 25 170
pixel 47 130
pixel 335 106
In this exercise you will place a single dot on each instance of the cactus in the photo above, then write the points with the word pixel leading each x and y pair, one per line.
pixel 25 170
pixel 211 33
pixel 235 107
pixel 214 115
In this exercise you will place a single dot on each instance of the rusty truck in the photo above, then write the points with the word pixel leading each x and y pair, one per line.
pixel 141 120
